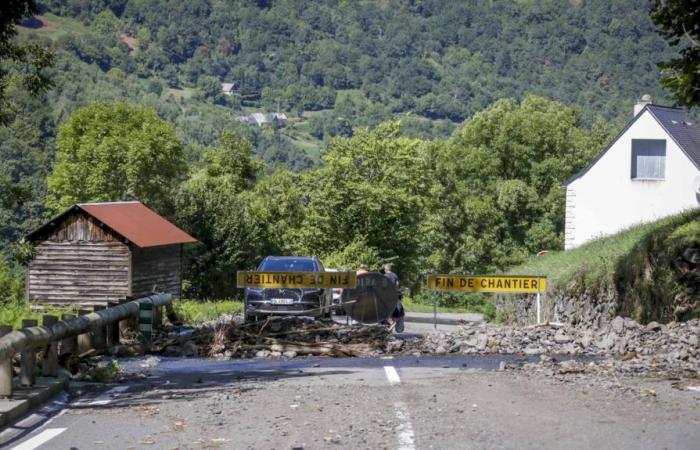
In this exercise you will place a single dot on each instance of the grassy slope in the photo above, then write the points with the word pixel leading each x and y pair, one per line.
pixel 636 264
pixel 55 27
pixel 597 260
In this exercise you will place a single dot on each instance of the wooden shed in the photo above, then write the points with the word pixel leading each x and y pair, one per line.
pixel 95 253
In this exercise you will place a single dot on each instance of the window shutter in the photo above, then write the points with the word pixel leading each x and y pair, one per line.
pixel 649 159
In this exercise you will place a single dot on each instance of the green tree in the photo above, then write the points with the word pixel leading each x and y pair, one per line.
pixel 497 195
pixel 31 60
pixel 371 189
pixel 215 206
pixel 116 152
pixel 678 22
pixel 11 284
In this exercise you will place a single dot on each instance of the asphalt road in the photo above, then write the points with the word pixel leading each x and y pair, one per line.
pixel 363 403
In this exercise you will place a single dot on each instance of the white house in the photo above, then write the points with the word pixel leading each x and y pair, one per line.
pixel 228 88
pixel 649 171
pixel 258 119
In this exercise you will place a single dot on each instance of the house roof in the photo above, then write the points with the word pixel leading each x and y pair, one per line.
pixel 677 124
pixel 227 86
pixel 133 221
pixel 259 117
pixel 681 127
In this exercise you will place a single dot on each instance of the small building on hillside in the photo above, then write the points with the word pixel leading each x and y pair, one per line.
pixel 228 88
pixel 258 119
pixel 279 119
pixel 95 253
pixel 649 171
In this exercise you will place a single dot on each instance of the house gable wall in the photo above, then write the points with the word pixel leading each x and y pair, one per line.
pixel 605 199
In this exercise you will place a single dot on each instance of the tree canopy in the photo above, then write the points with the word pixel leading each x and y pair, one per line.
pixel 110 152
pixel 31 59
pixel 678 22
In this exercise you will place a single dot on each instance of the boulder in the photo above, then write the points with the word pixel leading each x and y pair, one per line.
pixel 618 325
pixel 653 326
pixel 561 337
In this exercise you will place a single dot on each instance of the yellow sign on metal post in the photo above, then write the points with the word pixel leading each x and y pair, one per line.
pixel 525 284
pixel 487 283
pixel 296 279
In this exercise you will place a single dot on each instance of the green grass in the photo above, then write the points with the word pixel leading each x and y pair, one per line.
pixel 182 94
pixel 452 303
pixel 55 27
pixel 596 263
pixel 196 312
pixel 414 306
pixel 14 314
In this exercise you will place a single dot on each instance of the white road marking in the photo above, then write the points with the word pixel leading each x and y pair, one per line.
pixel 392 375
pixel 105 398
pixel 40 439
pixel 404 429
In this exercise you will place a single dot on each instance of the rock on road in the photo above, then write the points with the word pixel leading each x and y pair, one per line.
pixel 363 403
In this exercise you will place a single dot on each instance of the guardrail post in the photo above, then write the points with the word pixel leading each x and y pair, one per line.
pixel 49 366
pixel 68 345
pixel 5 368
pixel 27 373
pixel 112 329
pixel 99 333
pixel 146 320
pixel 84 340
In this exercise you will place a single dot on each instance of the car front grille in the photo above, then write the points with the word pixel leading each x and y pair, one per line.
pixel 271 293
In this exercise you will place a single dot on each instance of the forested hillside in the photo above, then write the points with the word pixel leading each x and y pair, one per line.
pixel 338 69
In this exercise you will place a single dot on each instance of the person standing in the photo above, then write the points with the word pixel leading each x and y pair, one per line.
pixel 398 313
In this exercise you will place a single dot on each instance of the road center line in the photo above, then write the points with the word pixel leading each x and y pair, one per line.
pixel 404 430
pixel 392 375
pixel 39 439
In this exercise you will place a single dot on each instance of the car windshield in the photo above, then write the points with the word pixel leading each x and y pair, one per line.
pixel 288 265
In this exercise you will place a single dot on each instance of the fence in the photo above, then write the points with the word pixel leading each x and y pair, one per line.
pixel 71 335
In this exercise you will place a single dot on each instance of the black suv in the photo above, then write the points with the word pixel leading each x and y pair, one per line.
pixel 261 302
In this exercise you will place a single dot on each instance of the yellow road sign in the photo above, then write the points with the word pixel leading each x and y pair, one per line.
pixel 296 279
pixel 488 283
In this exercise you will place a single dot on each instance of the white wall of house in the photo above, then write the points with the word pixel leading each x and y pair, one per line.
pixel 605 199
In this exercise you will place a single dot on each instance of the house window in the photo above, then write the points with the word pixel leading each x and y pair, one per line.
pixel 648 159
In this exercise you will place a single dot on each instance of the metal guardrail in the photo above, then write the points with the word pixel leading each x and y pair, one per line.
pixel 102 324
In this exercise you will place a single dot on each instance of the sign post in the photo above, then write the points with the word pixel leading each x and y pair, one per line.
pixel 525 284
pixel 539 309
pixel 435 310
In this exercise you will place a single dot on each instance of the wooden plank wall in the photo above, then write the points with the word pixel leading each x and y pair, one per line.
pixel 78 226
pixel 79 272
pixel 155 269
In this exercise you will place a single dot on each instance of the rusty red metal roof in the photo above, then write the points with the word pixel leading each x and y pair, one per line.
pixel 137 223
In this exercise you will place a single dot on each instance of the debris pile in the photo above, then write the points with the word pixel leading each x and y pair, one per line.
pixel 280 337
pixel 622 346
pixel 633 348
